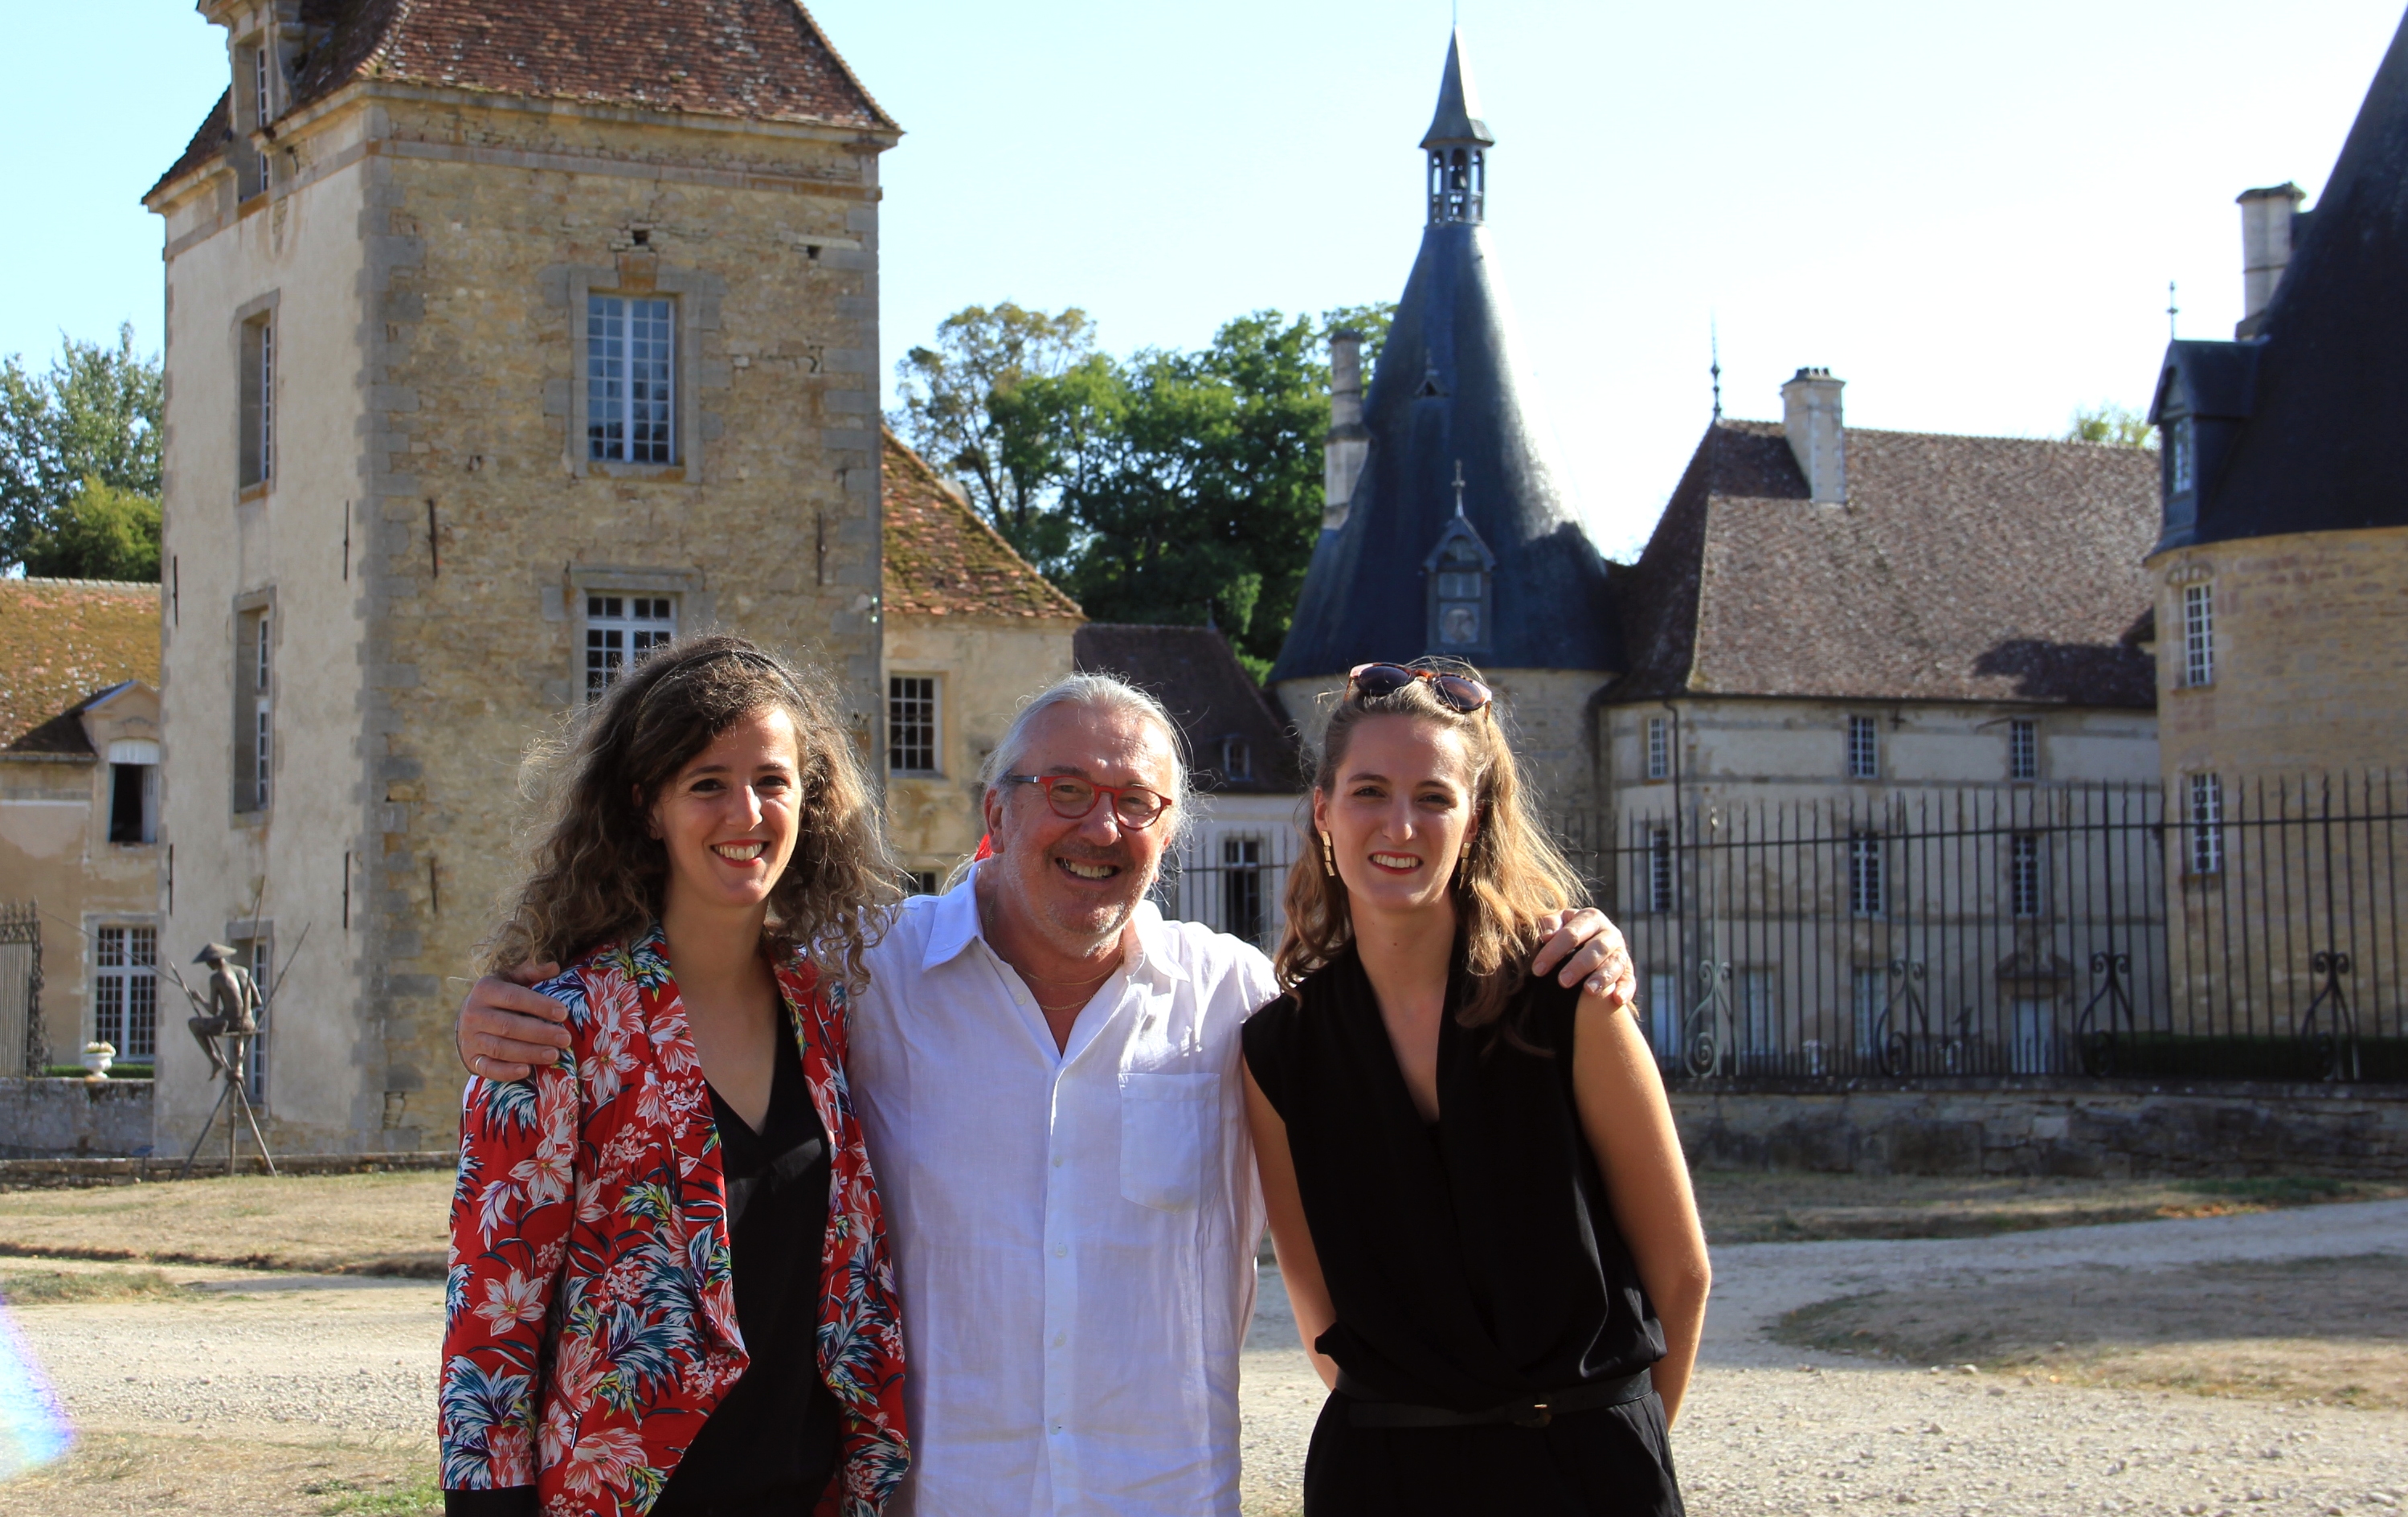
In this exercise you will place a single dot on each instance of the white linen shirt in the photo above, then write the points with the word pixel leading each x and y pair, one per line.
pixel 1073 1231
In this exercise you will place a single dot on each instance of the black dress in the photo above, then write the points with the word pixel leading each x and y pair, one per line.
pixel 772 1443
pixel 1472 1263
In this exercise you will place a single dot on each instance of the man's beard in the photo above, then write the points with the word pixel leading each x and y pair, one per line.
pixel 1099 924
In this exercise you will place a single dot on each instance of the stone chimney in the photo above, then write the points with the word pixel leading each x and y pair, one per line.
pixel 2267 223
pixel 1810 416
pixel 1349 441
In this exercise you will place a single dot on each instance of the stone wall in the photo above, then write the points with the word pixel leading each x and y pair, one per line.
pixel 2308 633
pixel 52 1118
pixel 2114 1129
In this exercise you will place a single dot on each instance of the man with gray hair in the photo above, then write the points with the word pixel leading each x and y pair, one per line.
pixel 1047 1073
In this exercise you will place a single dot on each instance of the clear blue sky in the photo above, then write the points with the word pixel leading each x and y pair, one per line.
pixel 1967 212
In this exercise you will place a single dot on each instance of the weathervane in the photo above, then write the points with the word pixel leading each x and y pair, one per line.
pixel 2173 311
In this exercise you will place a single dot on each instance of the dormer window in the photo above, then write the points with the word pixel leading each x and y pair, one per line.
pixel 1461 595
pixel 1237 759
pixel 2182 457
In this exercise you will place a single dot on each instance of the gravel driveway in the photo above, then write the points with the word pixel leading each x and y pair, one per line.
pixel 1767 1429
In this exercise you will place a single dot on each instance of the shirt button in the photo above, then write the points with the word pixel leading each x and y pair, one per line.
pixel 1060 1339
pixel 1057 1161
pixel 1061 1249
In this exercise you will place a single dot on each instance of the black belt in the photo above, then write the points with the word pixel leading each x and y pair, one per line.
pixel 1366 1410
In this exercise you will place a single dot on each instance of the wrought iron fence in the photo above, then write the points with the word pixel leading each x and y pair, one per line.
pixel 2244 931
pixel 1230 877
pixel 21 1040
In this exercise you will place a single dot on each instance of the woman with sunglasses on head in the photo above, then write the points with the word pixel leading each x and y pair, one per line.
pixel 670 1288
pixel 1477 1195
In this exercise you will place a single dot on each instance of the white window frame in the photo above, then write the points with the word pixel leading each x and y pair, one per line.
pixel 2023 748
pixel 263 709
pixel 2206 828
pixel 919 732
pixel 2023 874
pixel 610 354
pixel 1864 748
pixel 1866 897
pixel 1237 759
pixel 1245 894
pixel 2199 634
pixel 640 621
pixel 255 461
pixel 1659 748
pixel 142 754
pixel 1663 871
pixel 2181 456
pixel 126 959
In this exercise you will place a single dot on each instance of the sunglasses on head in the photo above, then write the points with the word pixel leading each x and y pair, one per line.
pixel 1456 691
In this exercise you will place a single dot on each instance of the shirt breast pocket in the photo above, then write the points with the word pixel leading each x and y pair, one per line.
pixel 1168 1124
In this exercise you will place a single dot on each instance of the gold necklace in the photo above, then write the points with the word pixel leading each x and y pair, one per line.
pixel 1026 974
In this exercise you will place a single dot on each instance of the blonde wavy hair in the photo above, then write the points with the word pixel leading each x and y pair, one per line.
pixel 1508 876
pixel 596 875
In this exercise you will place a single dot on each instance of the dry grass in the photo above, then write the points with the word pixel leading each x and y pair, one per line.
pixel 378 1223
pixel 2331 1330
pixel 131 1475
pixel 63 1287
pixel 1756 1207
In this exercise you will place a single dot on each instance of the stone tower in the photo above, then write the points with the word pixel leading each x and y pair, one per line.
pixel 1457 534
pixel 2282 569
pixel 503 342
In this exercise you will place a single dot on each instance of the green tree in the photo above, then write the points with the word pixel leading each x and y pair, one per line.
pixel 960 406
pixel 95 414
pixel 2114 425
pixel 101 533
pixel 1198 493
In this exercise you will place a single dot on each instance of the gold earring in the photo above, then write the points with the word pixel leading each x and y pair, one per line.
pixel 1329 857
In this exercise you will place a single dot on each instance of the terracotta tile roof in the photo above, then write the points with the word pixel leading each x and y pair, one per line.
pixel 1192 671
pixel 942 560
pixel 1961 568
pixel 63 642
pixel 766 60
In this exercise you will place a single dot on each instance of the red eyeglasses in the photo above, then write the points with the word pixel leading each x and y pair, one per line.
pixel 1071 796
pixel 1456 691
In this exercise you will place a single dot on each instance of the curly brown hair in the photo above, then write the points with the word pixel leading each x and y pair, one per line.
pixel 596 875
pixel 1508 874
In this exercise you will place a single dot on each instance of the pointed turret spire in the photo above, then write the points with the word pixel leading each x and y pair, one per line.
pixel 1458 143
pixel 1456 535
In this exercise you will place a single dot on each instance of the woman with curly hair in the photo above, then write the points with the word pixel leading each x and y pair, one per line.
pixel 669 1287
pixel 1475 1188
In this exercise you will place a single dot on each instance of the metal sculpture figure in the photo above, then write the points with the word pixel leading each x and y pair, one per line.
pixel 225 1022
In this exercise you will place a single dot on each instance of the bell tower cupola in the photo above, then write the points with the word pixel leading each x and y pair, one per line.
pixel 1458 143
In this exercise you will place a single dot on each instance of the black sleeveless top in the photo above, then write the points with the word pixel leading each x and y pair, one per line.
pixel 1471 1262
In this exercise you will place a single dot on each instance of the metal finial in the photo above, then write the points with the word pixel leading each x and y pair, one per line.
pixel 2173 311
pixel 1458 487
pixel 1714 345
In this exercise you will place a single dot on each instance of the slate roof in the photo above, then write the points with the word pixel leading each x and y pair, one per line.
pixel 1192 671
pixel 763 60
pixel 2322 448
pixel 1449 391
pixel 943 560
pixel 1960 568
pixel 63 642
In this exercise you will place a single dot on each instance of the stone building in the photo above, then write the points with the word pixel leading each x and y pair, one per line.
pixel 970 631
pixel 1449 528
pixel 2280 570
pixel 2280 565
pixel 503 342
pixel 79 816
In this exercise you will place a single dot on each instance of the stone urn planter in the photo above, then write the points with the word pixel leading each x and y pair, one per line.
pixel 97 1057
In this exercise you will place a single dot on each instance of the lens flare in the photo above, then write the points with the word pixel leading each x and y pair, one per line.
pixel 33 1426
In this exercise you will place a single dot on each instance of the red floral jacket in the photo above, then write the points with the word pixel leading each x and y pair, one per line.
pixel 590 1309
